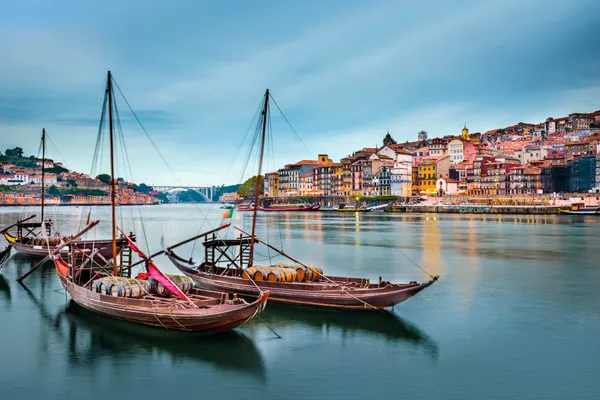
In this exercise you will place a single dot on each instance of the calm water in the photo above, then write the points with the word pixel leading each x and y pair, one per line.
pixel 515 315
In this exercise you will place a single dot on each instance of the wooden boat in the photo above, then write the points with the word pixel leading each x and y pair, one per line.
pixel 580 209
pixel 228 264
pixel 290 207
pixel 207 311
pixel 346 208
pixel 36 239
pixel 152 298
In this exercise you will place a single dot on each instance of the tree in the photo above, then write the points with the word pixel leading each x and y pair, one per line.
pixel 104 178
pixel 594 125
pixel 72 183
pixel 16 152
pixel 143 188
pixel 248 188
pixel 53 191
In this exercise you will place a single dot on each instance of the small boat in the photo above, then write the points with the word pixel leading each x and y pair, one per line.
pixel 346 208
pixel 580 209
pixel 229 266
pixel 35 239
pixel 245 207
pixel 152 297
pixel 290 207
pixel 227 206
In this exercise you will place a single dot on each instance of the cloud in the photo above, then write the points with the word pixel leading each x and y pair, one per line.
pixel 343 76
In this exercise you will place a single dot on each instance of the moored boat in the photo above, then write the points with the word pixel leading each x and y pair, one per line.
pixel 580 209
pixel 151 297
pixel 290 207
pixel 36 239
pixel 229 266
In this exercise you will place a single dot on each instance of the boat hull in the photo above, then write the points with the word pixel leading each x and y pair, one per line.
pixel 104 248
pixel 579 212
pixel 212 318
pixel 320 294
pixel 289 209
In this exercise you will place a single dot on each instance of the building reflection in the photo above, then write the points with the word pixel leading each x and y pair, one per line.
pixel 431 241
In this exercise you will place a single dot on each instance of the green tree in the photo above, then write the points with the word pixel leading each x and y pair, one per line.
pixel 143 188
pixel 162 197
pixel 105 178
pixel 53 191
pixel 248 188
pixel 72 183
pixel 16 152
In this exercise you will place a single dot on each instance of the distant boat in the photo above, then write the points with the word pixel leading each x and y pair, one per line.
pixel 580 209
pixel 35 239
pixel 346 208
pixel 227 206
pixel 290 207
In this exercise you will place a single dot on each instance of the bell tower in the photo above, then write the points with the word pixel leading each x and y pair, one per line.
pixel 465 133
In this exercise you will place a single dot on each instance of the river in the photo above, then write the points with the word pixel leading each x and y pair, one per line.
pixel 515 315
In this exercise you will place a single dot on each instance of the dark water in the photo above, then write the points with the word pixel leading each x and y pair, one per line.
pixel 515 315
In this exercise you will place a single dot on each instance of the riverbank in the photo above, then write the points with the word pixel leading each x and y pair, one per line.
pixel 474 209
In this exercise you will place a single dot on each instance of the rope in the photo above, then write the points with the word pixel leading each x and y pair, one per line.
pixel 288 122
pixel 407 257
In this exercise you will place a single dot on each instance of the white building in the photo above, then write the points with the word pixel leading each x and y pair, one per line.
pixel 530 153
pixel 49 179
pixel 401 175
pixel 48 163
pixel 14 180
pixel 456 151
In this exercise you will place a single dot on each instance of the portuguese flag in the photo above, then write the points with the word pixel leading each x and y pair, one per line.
pixel 228 214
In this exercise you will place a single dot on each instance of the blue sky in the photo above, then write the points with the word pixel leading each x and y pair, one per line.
pixel 344 72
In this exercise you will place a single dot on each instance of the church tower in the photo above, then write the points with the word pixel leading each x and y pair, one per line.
pixel 465 133
pixel 422 136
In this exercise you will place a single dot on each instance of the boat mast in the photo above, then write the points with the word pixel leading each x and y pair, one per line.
pixel 260 162
pixel 113 195
pixel 43 174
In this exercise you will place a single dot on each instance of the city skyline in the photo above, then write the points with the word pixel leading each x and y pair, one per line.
pixel 343 76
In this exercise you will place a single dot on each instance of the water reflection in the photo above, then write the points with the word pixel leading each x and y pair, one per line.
pixel 386 326
pixel 93 337
pixel 5 290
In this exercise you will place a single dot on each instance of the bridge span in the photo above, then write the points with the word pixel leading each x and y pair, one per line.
pixel 206 192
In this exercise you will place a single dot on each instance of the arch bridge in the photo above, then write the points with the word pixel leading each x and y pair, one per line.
pixel 205 191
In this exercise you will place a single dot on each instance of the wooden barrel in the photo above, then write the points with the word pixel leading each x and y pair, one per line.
pixel 131 288
pixel 183 282
pixel 310 274
pixel 300 274
pixel 289 274
pixel 248 273
pixel 315 273
pixel 261 273
pixel 276 275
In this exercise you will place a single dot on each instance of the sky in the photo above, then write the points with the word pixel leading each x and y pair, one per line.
pixel 344 72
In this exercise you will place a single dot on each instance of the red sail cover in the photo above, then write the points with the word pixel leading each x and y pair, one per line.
pixel 61 265
pixel 157 274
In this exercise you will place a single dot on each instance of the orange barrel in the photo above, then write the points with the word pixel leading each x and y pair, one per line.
pixel 261 273
pixel 276 275
pixel 314 273
pixel 289 274
pixel 247 273
pixel 300 273
pixel 183 282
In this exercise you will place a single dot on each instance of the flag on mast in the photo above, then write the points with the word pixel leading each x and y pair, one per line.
pixel 228 214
